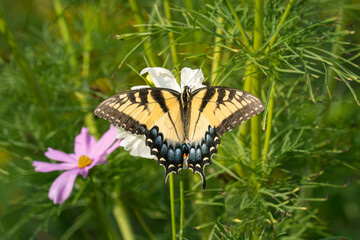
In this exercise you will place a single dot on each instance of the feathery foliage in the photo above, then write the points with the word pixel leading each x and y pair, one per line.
pixel 296 179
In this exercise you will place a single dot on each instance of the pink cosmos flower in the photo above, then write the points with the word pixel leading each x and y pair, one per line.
pixel 87 153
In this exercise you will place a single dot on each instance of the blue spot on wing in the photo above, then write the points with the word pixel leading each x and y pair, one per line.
pixel 171 155
pixel 198 156
pixel 164 151
pixel 178 155
pixel 205 149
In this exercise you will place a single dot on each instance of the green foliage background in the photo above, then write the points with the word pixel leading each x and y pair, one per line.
pixel 66 56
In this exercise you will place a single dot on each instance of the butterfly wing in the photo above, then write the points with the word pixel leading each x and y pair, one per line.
pixel 155 113
pixel 214 111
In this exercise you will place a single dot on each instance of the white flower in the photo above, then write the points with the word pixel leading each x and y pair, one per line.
pixel 163 78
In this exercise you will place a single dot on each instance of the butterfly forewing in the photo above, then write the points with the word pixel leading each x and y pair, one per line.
pixel 155 113
pixel 225 108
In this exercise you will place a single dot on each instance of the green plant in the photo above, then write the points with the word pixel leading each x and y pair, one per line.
pixel 300 57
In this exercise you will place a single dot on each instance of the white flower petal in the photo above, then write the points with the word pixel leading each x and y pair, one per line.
pixel 192 78
pixel 135 144
pixel 139 87
pixel 162 77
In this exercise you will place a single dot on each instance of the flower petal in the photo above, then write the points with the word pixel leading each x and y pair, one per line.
pixel 50 167
pixel 105 142
pixel 162 77
pixel 135 144
pixel 192 78
pixel 139 87
pixel 113 147
pixel 57 155
pixel 83 142
pixel 62 187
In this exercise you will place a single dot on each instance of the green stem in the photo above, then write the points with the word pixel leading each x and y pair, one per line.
pixel 175 62
pixel 171 36
pixel 172 206
pixel 143 224
pixel 28 74
pixel 122 220
pixel 256 83
pixel 268 125
pixel 239 26
pixel 217 52
pixel 182 206
pixel 271 100
pixel 112 233
pixel 282 20
pixel 89 119
pixel 245 130
pixel 335 48
pixel 198 35
pixel 120 214
pixel 65 33
pixel 139 18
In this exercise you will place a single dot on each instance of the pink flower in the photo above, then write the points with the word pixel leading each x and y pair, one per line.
pixel 87 153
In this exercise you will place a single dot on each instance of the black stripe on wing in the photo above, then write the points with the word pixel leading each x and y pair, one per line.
pixel 109 110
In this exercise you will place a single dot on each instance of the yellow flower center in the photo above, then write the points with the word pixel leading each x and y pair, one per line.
pixel 84 161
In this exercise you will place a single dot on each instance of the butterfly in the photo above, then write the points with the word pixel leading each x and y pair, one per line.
pixel 183 130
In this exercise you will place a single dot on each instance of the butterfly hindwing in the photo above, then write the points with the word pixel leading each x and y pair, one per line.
pixel 155 113
pixel 214 111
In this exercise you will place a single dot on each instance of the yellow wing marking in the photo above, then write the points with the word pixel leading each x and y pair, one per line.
pixel 130 110
pixel 225 108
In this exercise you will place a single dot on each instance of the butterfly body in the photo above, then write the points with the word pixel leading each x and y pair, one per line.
pixel 181 129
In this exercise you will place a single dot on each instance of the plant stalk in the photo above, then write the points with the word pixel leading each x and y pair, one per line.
pixel 144 226
pixel 282 20
pixel 172 201
pixel 182 206
pixel 217 53
pixel 122 220
pixel 273 86
pixel 268 125
pixel 89 119
pixel 139 18
pixel 256 79
pixel 65 33
pixel 171 35
pixel 172 206
pixel 27 73
pixel 245 130
pixel 112 233
pixel 239 26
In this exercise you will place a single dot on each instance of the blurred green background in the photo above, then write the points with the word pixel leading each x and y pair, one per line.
pixel 76 58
